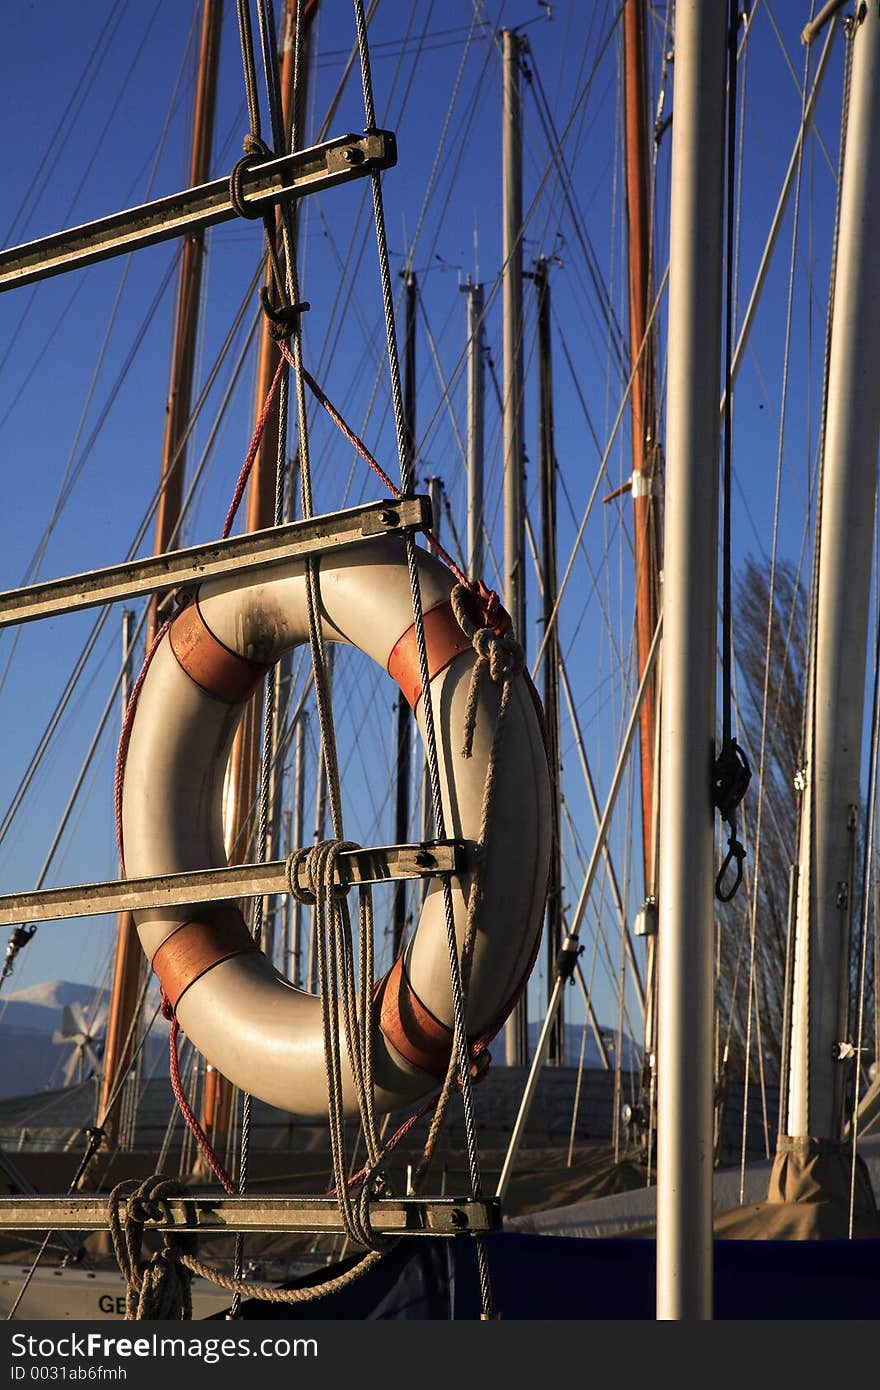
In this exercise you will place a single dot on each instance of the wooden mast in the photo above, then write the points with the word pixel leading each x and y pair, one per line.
pixel 129 960
pixel 243 770
pixel 645 449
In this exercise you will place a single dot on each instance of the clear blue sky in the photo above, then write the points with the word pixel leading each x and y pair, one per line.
pixel 86 96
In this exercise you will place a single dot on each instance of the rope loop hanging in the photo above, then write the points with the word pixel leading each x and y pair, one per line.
pixel 499 654
pixel 256 151
pixel 731 779
pixel 735 855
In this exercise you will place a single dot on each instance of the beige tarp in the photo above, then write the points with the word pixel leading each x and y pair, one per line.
pixel 813 1184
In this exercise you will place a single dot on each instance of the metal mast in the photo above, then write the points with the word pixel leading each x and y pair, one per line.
pixel 129 962
pixel 829 823
pixel 687 744
pixel 404 715
pixel 514 530
pixel 475 427
pixel 547 476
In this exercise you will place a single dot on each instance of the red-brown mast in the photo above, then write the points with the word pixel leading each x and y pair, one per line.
pixel 645 449
pixel 129 961
pixel 244 763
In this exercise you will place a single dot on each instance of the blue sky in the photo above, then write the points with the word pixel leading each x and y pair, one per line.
pixel 97 133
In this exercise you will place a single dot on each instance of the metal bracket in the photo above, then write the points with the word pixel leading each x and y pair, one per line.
pixel 439 1216
pixel 298 539
pixel 262 186
pixel 645 920
pixel 424 860
pixel 567 957
pixel 646 485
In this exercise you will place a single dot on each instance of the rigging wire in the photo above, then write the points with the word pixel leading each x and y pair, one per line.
pixel 91 641
pixel 566 183
pixel 790 66
pixel 731 773
pixel 602 470
pixel 68 118
pixel 406 485
pixel 87 168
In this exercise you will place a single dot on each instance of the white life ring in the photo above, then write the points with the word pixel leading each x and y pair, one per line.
pixel 250 1023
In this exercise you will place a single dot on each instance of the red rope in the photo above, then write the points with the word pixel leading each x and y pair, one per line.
pixel 252 451
pixel 395 1139
pixel 177 1086
pixel 494 616
pixel 368 458
pixel 403 1130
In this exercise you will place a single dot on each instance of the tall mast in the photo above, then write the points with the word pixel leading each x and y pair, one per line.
pixel 829 822
pixel 475 427
pixel 243 771
pixel 687 742
pixel 514 530
pixel 435 493
pixel 128 963
pixel 645 451
pixel 404 717
pixel 547 477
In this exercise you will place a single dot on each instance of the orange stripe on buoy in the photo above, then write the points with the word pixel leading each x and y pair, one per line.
pixel 444 640
pixel 409 1026
pixel 214 668
pixel 197 945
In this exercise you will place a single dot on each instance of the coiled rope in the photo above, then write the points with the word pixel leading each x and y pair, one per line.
pixel 337 983
pixel 160 1289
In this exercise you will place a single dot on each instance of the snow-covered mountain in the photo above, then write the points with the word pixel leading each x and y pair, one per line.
pixel 33 1017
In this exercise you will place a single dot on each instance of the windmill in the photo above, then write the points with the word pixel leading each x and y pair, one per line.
pixel 85 1037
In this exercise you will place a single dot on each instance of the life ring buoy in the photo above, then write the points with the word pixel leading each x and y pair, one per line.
pixel 250 1023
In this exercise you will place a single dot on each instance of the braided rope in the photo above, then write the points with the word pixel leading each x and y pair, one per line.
pixel 186 1110
pixel 336 967
pixel 358 444
pixel 406 488
pixel 268 1293
pixel 158 1289
pixel 246 467
pixel 502 658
